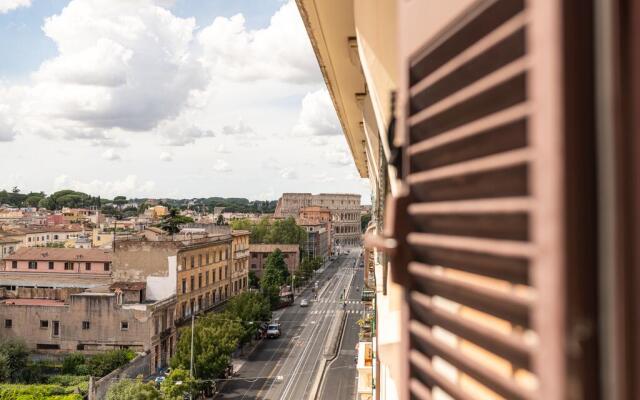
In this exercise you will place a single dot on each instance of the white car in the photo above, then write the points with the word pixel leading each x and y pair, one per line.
pixel 304 303
pixel 273 331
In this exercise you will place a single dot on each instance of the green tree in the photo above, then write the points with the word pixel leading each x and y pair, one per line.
pixel 171 223
pixel 275 270
pixel 254 281
pixel 15 356
pixel 120 201
pixel 33 199
pixel 215 338
pixel 71 362
pixel 178 385
pixel 286 232
pixel 132 390
pixel 250 309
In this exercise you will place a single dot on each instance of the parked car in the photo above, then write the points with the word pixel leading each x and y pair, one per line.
pixel 159 380
pixel 304 303
pixel 273 331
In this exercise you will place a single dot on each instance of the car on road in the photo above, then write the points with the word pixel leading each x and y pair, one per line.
pixel 304 303
pixel 273 331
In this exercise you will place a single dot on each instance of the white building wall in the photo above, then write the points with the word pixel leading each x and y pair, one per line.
pixel 161 287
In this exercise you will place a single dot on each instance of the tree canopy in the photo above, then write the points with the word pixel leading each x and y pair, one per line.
pixel 249 308
pixel 284 231
pixel 178 385
pixel 171 222
pixel 215 339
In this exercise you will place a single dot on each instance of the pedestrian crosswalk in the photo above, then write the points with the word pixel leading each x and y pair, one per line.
pixel 339 301
pixel 326 312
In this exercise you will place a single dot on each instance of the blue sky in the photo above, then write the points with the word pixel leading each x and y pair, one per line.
pixel 141 100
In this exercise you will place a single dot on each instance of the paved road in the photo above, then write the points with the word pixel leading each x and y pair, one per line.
pixel 339 382
pixel 298 353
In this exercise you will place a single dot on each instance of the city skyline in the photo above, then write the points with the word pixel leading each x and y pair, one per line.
pixel 242 112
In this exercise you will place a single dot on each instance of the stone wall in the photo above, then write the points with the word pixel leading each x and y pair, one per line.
pixel 141 365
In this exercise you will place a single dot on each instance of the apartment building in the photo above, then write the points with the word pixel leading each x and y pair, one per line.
pixel 315 215
pixel 37 267
pixel 260 253
pixel 344 208
pixel 501 140
pixel 8 246
pixel 41 236
pixel 240 263
pixel 94 321
pixel 318 237
pixel 197 268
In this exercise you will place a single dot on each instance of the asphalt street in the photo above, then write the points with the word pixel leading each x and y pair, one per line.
pixel 287 367
pixel 339 382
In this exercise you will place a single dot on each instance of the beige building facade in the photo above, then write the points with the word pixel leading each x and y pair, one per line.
pixel 260 253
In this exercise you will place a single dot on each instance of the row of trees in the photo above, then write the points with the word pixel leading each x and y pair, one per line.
pixel 215 338
pixel 284 231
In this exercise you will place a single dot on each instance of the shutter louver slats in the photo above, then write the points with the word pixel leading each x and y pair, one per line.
pixel 434 347
pixel 508 347
pixel 469 157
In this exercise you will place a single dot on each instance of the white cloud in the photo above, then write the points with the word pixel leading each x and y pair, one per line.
pixel 288 173
pixel 108 141
pixel 7 129
pixel 240 128
pixel 323 177
pixel 318 116
pixel 10 5
pixel 129 186
pixel 281 51
pixel 110 155
pixel 185 135
pixel 339 157
pixel 165 156
pixel 120 64
pixel 221 149
pixel 221 166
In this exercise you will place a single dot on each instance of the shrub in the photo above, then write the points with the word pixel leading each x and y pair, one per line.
pixel 37 392
pixel 132 390
pixel 102 364
pixel 71 363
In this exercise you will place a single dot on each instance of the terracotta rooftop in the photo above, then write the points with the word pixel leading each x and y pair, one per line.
pixel 55 254
pixel 43 229
pixel 9 240
pixel 268 248
pixel 33 302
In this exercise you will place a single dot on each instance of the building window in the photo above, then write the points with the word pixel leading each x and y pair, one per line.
pixel 184 285
pixel 107 266
pixel 86 325
pixel 206 280
pixel 8 323
pixel 87 266
pixel 199 280
pixel 55 237
pixel 192 283
pixel 207 258
pixel 193 261
pixel 68 266
pixel 56 328
pixel 184 262
pixel 124 325
pixel 44 324
pixel 14 264
pixel 199 260
pixel 253 266
pixel 50 264
pixel 33 264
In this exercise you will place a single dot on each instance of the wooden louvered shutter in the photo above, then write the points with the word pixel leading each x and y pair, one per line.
pixel 480 229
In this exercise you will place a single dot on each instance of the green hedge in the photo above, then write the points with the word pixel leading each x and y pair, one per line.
pixel 37 392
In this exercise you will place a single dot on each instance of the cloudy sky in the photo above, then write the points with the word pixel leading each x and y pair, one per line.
pixel 166 98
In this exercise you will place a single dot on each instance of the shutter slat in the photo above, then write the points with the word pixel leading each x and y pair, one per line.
pixel 508 28
pixel 505 248
pixel 495 79
pixel 494 162
pixel 508 347
pixel 501 304
pixel 426 373
pixel 494 381
pixel 505 205
pixel 419 390
pixel 492 121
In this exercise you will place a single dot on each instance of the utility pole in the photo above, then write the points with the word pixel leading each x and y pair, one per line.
pixel 192 328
